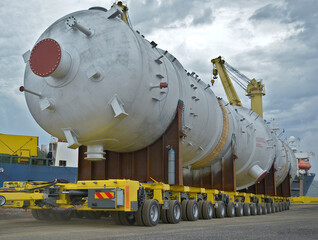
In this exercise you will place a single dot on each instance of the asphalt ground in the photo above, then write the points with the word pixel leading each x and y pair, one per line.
pixel 300 222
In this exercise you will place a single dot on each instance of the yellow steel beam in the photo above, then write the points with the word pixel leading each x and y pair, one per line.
pixel 304 199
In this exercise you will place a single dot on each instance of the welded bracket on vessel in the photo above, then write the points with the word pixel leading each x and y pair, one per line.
pixel 94 73
pixel 158 60
pixel 159 76
pixel 71 138
pixel 26 56
pixel 113 12
pixel 46 103
pixel 118 108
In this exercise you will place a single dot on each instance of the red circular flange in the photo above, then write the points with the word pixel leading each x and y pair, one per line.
pixel 45 57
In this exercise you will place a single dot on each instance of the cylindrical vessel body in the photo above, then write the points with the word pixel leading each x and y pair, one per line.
pixel 112 97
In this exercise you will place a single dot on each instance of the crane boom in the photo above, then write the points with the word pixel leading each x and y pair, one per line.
pixel 226 82
pixel 254 89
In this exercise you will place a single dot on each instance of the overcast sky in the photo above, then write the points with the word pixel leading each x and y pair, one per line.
pixel 275 41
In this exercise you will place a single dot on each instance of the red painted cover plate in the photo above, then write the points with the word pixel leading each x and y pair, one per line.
pixel 45 57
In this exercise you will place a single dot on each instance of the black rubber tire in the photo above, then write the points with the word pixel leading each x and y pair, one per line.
pixel 230 210
pixel 78 214
pixel 200 203
pixel 269 208
pixel 116 218
pixel 287 206
pixel 93 214
pixel 220 210
pixel 138 216
pixel 254 209
pixel 42 214
pixel 163 216
pixel 192 210
pixel 184 205
pixel 207 210
pixel 34 213
pixel 247 209
pixel 280 207
pixel 239 210
pixel 150 213
pixel 61 215
pixel 259 209
pixel 127 218
pixel 273 208
pixel 174 212
pixel 264 207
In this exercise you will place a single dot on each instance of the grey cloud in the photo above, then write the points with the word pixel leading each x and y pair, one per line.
pixel 205 18
pixel 268 12
pixel 147 16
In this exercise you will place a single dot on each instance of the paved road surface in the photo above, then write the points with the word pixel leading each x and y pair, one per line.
pixel 301 222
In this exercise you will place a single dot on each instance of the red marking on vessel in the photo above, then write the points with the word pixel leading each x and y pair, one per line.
pixel 163 85
pixel 259 145
pixel 258 139
pixel 45 57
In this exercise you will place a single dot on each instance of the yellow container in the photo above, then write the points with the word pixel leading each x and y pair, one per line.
pixel 23 146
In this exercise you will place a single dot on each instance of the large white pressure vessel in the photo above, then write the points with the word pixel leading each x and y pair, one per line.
pixel 92 80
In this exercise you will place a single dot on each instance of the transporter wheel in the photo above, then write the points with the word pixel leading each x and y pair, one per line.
pixel 220 210
pixel 247 209
pixel 93 214
pixel 283 206
pixel 200 203
pixel 287 206
pixel 253 209
pixel 230 210
pixel 78 214
pixel 42 214
pixel 192 210
pixel 61 215
pixel 163 216
pixel 280 207
pixel 150 213
pixel 259 209
pixel 264 208
pixel 269 208
pixel 184 204
pixel 127 218
pixel 239 209
pixel 34 213
pixel 138 216
pixel 273 208
pixel 207 210
pixel 116 218
pixel 174 212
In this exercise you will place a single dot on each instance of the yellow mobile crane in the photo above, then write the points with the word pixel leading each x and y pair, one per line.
pixel 254 89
